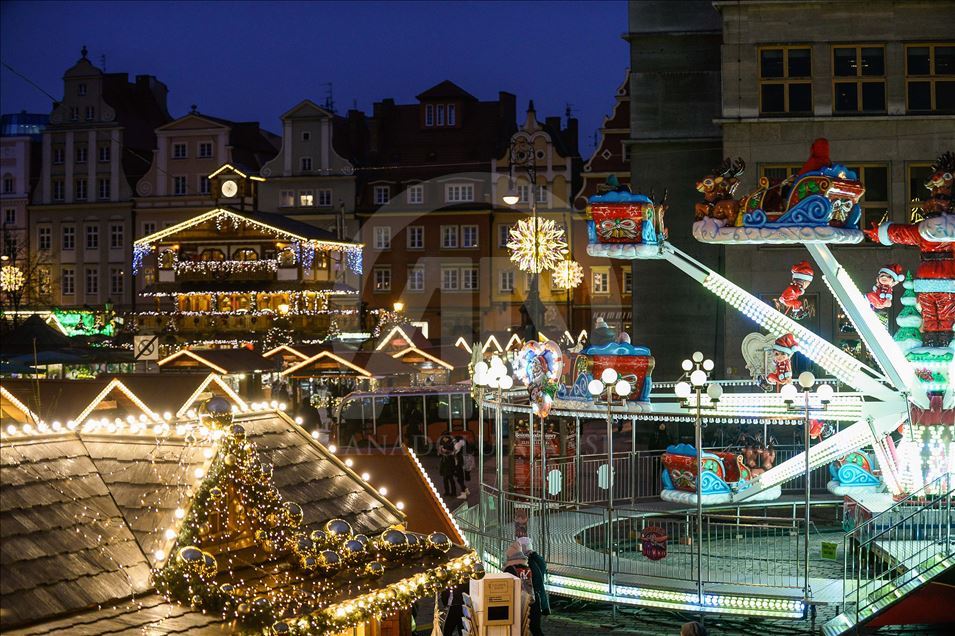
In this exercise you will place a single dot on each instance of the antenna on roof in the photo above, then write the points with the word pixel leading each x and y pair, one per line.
pixel 102 61
pixel 568 110
pixel 329 97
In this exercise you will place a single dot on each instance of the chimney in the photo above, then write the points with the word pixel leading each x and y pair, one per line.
pixel 571 136
pixel 553 123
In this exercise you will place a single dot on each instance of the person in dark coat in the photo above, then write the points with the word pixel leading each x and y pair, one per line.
pixel 453 599
pixel 447 466
pixel 538 566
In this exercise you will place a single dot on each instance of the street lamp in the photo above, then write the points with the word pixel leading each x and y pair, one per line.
pixel 789 392
pixel 608 384
pixel 492 376
pixel 697 370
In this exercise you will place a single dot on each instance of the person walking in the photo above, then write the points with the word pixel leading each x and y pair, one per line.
pixel 460 450
pixel 453 599
pixel 516 565
pixel 538 569
pixel 447 465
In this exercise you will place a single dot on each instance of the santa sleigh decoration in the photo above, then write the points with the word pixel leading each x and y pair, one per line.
pixel 624 224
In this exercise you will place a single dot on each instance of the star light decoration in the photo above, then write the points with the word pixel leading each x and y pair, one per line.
pixel 540 250
pixel 11 278
pixel 568 274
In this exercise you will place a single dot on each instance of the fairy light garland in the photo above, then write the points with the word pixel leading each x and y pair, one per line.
pixel 214 268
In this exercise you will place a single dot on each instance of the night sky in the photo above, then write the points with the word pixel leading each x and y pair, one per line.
pixel 255 60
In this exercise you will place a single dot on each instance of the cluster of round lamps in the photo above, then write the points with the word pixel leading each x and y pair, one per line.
pixel 492 376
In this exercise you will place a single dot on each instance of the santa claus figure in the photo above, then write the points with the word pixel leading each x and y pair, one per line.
pixel 881 295
pixel 783 350
pixel 789 302
pixel 935 276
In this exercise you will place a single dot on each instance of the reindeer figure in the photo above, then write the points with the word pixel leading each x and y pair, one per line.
pixel 940 185
pixel 718 189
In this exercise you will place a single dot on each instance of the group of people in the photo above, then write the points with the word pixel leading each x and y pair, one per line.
pixel 457 462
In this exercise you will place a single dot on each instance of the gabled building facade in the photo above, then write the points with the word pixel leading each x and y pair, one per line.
pixel 96 147
pixel 19 171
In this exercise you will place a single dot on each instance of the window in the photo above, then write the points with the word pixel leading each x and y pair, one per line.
pixel 416 278
pixel 930 78
pixel 306 135
pixel 179 186
pixel 416 194
pixel 505 281
pixel 68 283
pixel 875 201
pixel 778 172
pixel 104 153
pixel 469 236
pixel 179 151
pixel 9 184
pixel 44 237
pixel 306 164
pixel 81 89
pixel 785 85
pixel 287 198
pixel 503 234
pixel 325 198
pixel 58 189
pixel 459 192
pixel 10 216
pixel 10 245
pixel 469 279
pixel 382 279
pixel 116 276
pixel 104 188
pixel 628 282
pixel 918 175
pixel 92 237
pixel 429 115
pixel 543 195
pixel 523 193
pixel 452 115
pixel 92 281
pixel 58 154
pixel 449 279
pixel 81 190
pixel 205 150
pixel 449 236
pixel 382 238
pixel 81 154
pixel 68 237
pixel 74 113
pixel 204 184
pixel 415 234
pixel 149 227
pixel 306 198
pixel 440 118
pixel 382 194
pixel 117 236
pixel 859 79
pixel 600 281
pixel 90 113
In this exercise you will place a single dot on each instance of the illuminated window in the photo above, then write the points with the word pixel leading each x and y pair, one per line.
pixel 858 79
pixel 600 281
pixel 785 85
pixel 930 78
pixel 382 279
pixel 306 198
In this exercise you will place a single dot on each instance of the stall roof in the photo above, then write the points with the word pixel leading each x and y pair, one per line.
pixel 224 361
pixel 369 364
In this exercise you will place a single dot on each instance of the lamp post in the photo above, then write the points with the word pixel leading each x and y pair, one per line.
pixel 521 154
pixel 696 370
pixel 492 376
pixel 789 393
pixel 608 384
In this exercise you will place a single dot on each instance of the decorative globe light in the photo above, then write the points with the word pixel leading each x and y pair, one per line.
pixel 481 367
pixel 506 382
pixel 788 392
pixel 622 388
pixel 511 197
pixel 715 391
pixel 595 387
pixel 825 393
pixel 479 377
pixel 496 363
pixel 609 376
pixel 708 365
pixel 806 379
pixel 698 377
pixel 682 390
pixel 697 356
pixel 687 365
pixel 492 381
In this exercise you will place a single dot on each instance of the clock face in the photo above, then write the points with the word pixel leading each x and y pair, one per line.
pixel 229 188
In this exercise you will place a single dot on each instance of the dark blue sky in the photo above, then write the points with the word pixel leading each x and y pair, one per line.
pixel 254 60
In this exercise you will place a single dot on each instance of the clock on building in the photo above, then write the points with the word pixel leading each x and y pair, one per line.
pixel 229 188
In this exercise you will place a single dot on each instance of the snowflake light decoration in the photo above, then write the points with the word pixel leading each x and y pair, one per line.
pixel 568 274
pixel 11 279
pixel 537 251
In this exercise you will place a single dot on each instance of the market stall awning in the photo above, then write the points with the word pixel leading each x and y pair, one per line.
pixel 224 361
pixel 366 364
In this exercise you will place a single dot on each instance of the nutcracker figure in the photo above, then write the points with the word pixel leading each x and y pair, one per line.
pixel 783 350
pixel 935 276
pixel 881 295
pixel 789 301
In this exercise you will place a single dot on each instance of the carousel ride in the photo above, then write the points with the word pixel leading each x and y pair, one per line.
pixel 885 437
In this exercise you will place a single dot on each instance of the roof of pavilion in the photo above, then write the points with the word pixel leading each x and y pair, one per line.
pixel 368 364
pixel 224 361
pixel 91 520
